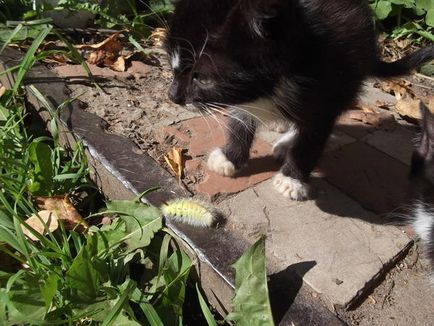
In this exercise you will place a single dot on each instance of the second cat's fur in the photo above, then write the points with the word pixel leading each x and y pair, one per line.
pixel 422 181
pixel 301 60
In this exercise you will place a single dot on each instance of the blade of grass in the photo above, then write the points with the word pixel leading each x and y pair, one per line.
pixel 11 37
pixel 28 60
pixel 119 306
pixel 205 309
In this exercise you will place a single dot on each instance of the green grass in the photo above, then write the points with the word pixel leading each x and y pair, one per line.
pixel 91 278
pixel 131 272
pixel 406 18
pixel 72 277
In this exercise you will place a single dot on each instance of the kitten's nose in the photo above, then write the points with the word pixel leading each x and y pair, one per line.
pixel 176 94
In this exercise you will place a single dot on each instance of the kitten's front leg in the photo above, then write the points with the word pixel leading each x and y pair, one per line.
pixel 226 161
pixel 300 150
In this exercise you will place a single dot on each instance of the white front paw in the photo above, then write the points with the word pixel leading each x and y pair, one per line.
pixel 290 187
pixel 219 163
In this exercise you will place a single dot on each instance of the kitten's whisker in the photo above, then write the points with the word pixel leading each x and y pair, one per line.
pixel 249 127
pixel 188 42
pixel 203 107
pixel 221 124
pixel 204 44
pixel 254 107
pixel 193 54
pixel 232 114
pixel 160 17
pixel 236 108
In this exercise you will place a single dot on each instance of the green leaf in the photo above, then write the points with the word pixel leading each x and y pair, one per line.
pixel 429 18
pixel 382 9
pixel 49 289
pixel 425 4
pixel 24 302
pixel 82 276
pixel 171 297
pixel 141 222
pixel 405 3
pixel 251 305
pixel 41 181
pixel 205 309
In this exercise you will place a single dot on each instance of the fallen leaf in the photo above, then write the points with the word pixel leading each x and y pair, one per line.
pixel 105 53
pixel 158 35
pixel 175 161
pixel 62 206
pixel 43 222
pixel 2 90
pixel 371 300
pixel 119 64
pixel 367 110
pixel 399 89
pixel 409 109
pixel 108 41
pixel 431 104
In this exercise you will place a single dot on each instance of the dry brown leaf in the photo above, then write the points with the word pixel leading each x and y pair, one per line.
pixel 64 210
pixel 57 59
pixel 367 110
pixel 431 104
pixel 371 300
pixel 106 43
pixel 119 64
pixel 409 109
pixel 2 90
pixel 43 222
pixel 175 161
pixel 158 36
pixel 104 53
pixel 400 89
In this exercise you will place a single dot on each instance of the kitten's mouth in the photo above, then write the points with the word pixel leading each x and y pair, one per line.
pixel 193 107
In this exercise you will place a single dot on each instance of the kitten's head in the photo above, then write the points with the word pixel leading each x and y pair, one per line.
pixel 222 51
pixel 422 167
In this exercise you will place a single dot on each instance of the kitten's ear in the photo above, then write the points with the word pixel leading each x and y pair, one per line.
pixel 425 148
pixel 427 123
pixel 258 12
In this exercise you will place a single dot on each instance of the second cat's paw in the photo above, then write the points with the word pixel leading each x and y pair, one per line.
pixel 290 187
pixel 219 163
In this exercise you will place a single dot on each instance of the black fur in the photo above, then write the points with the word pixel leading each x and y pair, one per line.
pixel 309 57
pixel 422 177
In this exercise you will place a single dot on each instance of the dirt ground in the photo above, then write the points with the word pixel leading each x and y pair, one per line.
pixel 135 105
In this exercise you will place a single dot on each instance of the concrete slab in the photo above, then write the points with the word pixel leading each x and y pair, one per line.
pixel 332 231
pixel 397 143
pixel 373 178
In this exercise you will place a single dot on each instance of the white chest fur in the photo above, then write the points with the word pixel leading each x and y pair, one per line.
pixel 423 222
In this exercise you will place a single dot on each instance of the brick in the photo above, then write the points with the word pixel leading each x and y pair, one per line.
pixel 203 135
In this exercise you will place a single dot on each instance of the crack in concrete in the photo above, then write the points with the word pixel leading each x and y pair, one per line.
pixel 264 210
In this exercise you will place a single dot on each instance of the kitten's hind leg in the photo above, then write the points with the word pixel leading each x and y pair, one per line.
pixel 226 161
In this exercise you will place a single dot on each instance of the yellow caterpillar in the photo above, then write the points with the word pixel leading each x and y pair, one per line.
pixel 190 211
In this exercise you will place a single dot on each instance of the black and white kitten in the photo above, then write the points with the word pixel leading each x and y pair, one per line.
pixel 422 181
pixel 301 60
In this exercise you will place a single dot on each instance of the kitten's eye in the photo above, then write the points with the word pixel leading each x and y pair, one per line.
pixel 202 80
